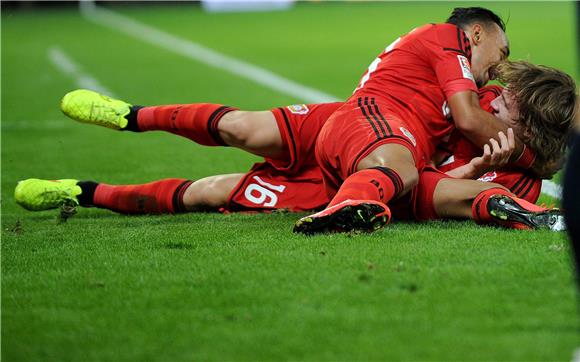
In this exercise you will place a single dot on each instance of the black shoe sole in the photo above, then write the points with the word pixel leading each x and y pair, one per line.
pixel 361 217
pixel 504 209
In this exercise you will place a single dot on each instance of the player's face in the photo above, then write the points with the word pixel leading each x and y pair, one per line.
pixel 490 46
pixel 506 109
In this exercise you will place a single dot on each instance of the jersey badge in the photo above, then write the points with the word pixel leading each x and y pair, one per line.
pixel 298 109
pixel 488 177
pixel 409 135
pixel 465 68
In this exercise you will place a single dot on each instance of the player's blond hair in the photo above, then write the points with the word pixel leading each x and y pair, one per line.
pixel 547 102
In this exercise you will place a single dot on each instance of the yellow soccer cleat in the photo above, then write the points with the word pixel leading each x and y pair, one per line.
pixel 91 107
pixel 35 195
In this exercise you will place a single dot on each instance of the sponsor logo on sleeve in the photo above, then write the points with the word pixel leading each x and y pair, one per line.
pixel 409 135
pixel 465 68
pixel 488 177
pixel 298 109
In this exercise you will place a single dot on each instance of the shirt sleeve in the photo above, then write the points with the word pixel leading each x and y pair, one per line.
pixel 448 50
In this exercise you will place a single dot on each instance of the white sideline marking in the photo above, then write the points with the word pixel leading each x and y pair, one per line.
pixel 551 189
pixel 213 58
pixel 576 355
pixel 202 54
pixel 66 65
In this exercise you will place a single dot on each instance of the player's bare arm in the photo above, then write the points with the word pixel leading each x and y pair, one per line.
pixel 495 155
pixel 479 126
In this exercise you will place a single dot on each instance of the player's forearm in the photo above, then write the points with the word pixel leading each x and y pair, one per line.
pixel 464 172
pixel 481 126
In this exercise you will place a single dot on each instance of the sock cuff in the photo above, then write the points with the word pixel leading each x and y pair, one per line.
pixel 479 205
pixel 86 198
pixel 394 177
pixel 212 123
pixel 132 124
pixel 177 198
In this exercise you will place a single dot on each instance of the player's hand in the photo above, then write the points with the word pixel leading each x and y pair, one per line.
pixel 502 152
pixel 495 155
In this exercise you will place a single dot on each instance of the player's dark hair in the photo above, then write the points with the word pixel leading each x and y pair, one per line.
pixel 463 17
pixel 547 102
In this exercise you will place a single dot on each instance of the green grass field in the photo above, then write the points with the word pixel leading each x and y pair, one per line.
pixel 243 287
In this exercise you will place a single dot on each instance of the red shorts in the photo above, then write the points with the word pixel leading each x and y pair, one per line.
pixel 521 184
pixel 418 203
pixel 293 181
pixel 358 128
pixel 299 126
pixel 265 188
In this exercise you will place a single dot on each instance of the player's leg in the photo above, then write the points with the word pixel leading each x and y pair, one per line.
pixel 490 203
pixel 453 198
pixel 256 132
pixel 387 172
pixel 368 159
pixel 210 193
pixel 204 123
pixel 160 197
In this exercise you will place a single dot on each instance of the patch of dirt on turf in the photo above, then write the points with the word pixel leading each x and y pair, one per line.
pixel 97 285
pixel 178 246
pixel 66 210
pixel 364 277
pixel 17 228
pixel 410 287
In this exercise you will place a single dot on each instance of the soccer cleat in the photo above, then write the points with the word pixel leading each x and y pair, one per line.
pixel 520 214
pixel 35 195
pixel 91 107
pixel 349 215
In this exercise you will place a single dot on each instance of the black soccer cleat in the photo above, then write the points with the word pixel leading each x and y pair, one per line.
pixel 349 215
pixel 520 214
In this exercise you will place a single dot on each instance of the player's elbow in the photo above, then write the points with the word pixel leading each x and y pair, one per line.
pixel 466 122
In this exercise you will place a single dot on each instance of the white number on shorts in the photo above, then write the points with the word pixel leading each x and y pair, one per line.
pixel 374 65
pixel 265 193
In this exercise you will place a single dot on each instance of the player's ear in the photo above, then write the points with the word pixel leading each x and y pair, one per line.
pixel 476 34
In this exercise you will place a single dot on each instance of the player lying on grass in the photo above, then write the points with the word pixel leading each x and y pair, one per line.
pixel 401 111
pixel 291 179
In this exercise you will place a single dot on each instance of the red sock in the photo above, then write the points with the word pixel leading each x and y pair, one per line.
pixel 197 122
pixel 159 197
pixel 378 184
pixel 479 206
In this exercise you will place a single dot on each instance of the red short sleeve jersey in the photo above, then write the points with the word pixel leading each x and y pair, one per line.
pixel 461 149
pixel 417 74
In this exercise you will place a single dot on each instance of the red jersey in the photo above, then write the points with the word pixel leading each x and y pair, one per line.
pixel 294 182
pixel 417 73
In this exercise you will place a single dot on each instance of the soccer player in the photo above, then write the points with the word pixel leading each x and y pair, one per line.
pixel 420 88
pixel 291 181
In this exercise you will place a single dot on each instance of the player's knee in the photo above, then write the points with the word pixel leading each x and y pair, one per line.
pixel 235 128
pixel 410 178
pixel 205 194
